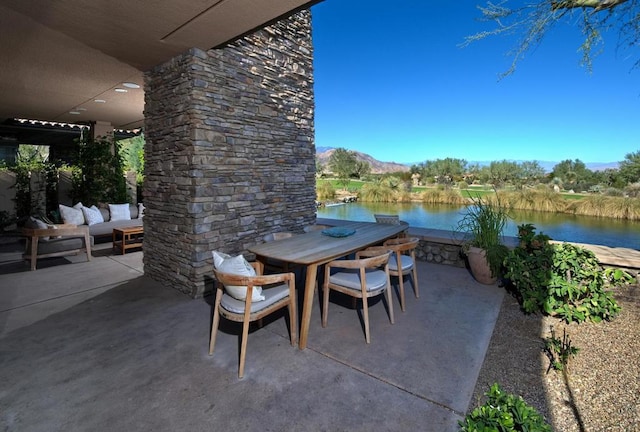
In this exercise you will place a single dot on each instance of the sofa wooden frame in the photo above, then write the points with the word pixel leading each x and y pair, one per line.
pixel 64 230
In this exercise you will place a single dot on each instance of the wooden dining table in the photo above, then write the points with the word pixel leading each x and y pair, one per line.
pixel 314 249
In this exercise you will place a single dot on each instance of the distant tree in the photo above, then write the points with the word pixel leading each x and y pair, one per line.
pixel 535 19
pixel 574 174
pixel 630 167
pixel 362 169
pixel 499 173
pixel 342 163
pixel 610 177
pixel 528 173
pixel 443 171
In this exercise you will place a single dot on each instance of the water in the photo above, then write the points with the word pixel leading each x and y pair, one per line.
pixel 562 227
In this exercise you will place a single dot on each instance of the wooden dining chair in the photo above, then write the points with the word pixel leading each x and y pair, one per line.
pixel 403 262
pixel 363 277
pixel 316 227
pixel 391 220
pixel 277 236
pixel 273 265
pixel 279 291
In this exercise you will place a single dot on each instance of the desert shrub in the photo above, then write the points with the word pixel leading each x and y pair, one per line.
pixel 633 190
pixel 561 280
pixel 535 200
pixel 404 196
pixel 607 206
pixel 376 192
pixel 443 196
pixel 503 412
pixel 325 191
pixel 613 192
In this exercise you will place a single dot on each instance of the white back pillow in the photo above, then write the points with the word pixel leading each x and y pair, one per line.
pixel 238 266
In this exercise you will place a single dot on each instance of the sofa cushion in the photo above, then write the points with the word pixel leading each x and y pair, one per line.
pixel 106 228
pixel 92 215
pixel 106 216
pixel 58 245
pixel 34 223
pixel 72 215
pixel 119 212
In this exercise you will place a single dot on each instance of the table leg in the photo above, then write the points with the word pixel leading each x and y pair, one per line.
pixel 307 306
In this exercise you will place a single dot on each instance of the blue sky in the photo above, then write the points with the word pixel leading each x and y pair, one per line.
pixel 392 81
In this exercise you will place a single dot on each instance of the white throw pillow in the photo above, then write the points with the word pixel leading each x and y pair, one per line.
pixel 92 215
pixel 238 266
pixel 119 212
pixel 72 215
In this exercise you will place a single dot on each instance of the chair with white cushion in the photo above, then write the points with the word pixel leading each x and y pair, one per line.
pixel 403 262
pixel 363 277
pixel 263 295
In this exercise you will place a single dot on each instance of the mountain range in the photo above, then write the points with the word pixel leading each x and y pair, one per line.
pixel 377 167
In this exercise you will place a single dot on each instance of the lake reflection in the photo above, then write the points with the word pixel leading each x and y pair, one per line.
pixel 563 227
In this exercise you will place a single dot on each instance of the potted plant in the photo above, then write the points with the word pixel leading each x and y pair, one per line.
pixel 482 225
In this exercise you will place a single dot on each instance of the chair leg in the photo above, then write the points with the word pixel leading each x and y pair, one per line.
pixel 416 290
pixel 390 301
pixel 365 313
pixel 401 289
pixel 243 346
pixel 293 318
pixel 325 304
pixel 215 321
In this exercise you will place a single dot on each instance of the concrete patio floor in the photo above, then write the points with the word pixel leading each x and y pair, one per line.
pixel 93 346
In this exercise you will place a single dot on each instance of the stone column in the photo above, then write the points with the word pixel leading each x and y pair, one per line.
pixel 230 152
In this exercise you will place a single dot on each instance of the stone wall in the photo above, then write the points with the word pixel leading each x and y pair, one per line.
pixel 440 253
pixel 230 152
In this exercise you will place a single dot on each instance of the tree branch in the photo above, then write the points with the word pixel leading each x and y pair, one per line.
pixel 597 5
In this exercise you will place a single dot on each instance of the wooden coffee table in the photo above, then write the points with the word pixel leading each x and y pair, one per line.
pixel 127 238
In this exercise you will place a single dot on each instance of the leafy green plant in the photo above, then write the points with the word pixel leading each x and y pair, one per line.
pixel 561 280
pixel 6 220
pixel 98 175
pixel 559 350
pixel 482 224
pixel 503 412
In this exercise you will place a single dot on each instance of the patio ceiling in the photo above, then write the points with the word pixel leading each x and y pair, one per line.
pixel 58 57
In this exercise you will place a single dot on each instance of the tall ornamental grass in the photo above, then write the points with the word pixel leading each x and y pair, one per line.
pixel 544 200
pixel 443 196
pixel 377 192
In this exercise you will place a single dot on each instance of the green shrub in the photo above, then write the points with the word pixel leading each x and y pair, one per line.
pixel 503 412
pixel 325 191
pixel 561 280
pixel 376 192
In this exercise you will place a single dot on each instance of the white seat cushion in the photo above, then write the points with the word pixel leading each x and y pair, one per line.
pixel 406 263
pixel 375 279
pixel 271 296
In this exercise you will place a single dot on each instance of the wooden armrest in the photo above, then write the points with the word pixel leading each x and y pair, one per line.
pixel 55 232
pixel 233 279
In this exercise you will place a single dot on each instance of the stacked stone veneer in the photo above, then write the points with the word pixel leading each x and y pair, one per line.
pixel 230 152
pixel 440 253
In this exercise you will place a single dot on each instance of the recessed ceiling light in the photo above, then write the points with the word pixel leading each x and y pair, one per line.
pixel 131 85
pixel 99 101
pixel 74 112
pixel 80 109
pixel 121 90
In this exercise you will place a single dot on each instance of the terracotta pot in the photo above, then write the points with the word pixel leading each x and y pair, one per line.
pixel 480 266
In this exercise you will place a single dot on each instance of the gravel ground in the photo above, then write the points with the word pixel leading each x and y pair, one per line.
pixel 601 389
